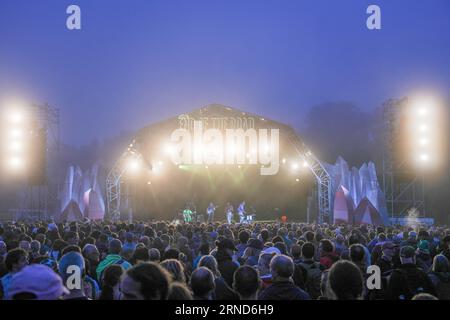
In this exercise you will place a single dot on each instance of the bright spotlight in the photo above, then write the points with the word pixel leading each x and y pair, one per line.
pixel 169 149
pixel 16 133
pixel 423 142
pixel 15 146
pixel 423 128
pixel 422 111
pixel 283 160
pixel 133 165
pixel 424 157
pixel 294 166
pixel 15 117
pixel 16 162
pixel 305 164
pixel 297 180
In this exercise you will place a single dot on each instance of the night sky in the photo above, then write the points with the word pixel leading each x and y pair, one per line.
pixel 141 61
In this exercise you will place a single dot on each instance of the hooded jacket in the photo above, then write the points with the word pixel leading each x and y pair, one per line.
pixel 111 259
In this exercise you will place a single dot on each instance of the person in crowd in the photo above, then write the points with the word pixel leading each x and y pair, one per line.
pixel 154 255
pixel 225 259
pixel 92 256
pixel 408 280
pixel 246 283
pixel 345 282
pixel 37 282
pixel 340 244
pixel 386 260
pixel 140 255
pixel 145 281
pixel 424 296
pixel 202 284
pixel 111 282
pixel 313 270
pixel 282 287
pixel 179 291
pixel 327 253
pixel 222 290
pixel 15 261
pixel 35 251
pixel 203 251
pixel 3 253
pixel 243 237
pixel 114 257
pixel 440 277
pixel 176 270
pixel 423 257
pixel 72 271
pixel 296 253
pixel 264 265
pixel 252 252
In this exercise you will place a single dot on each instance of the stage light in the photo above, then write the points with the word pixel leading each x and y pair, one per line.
pixel 423 142
pixel 424 157
pixel 15 117
pixel 16 133
pixel 239 166
pixel 422 111
pixel 16 162
pixel 294 166
pixel 423 128
pixel 169 149
pixel 305 164
pixel 149 183
pixel 15 146
pixel 133 165
pixel 283 160
pixel 297 180
pixel 206 167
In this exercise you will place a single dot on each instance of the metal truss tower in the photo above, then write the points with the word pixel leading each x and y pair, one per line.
pixel 41 200
pixel 403 186
pixel 116 198
pixel 321 175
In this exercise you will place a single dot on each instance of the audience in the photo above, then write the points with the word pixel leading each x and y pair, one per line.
pixel 215 261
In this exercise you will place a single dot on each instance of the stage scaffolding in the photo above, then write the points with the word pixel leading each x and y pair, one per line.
pixel 41 201
pixel 118 196
pixel 403 186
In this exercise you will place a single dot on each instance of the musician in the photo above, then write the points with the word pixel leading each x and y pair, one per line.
pixel 229 212
pixel 210 212
pixel 241 212
pixel 187 214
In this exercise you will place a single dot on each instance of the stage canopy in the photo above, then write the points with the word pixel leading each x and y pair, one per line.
pixel 164 187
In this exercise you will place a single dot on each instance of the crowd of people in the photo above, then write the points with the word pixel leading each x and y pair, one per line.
pixel 88 260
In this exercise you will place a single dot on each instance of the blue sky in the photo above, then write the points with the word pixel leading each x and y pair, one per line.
pixel 139 61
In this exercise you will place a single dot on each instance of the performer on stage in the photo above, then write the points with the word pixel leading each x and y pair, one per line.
pixel 210 212
pixel 187 214
pixel 241 212
pixel 229 212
